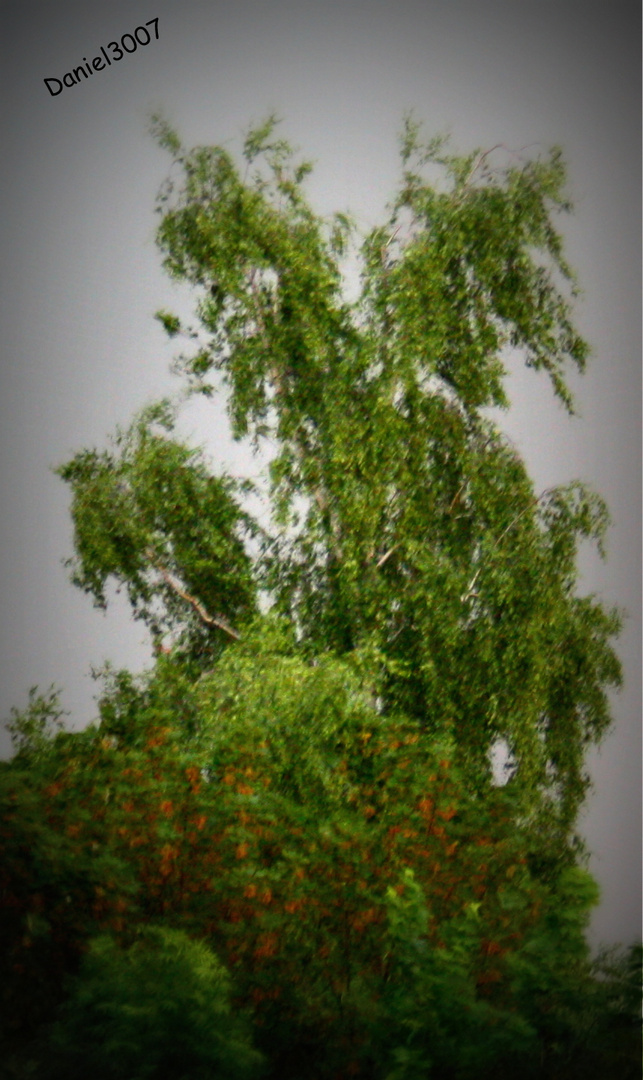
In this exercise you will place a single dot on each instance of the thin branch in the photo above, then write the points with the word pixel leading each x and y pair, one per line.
pixel 457 495
pixel 389 242
pixel 479 160
pixel 485 154
pixel 533 502
pixel 209 620
pixel 469 594
pixel 386 556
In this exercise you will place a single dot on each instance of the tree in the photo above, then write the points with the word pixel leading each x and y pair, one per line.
pixel 304 779
pixel 406 529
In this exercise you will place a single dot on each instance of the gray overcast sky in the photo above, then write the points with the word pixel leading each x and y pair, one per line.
pixel 81 277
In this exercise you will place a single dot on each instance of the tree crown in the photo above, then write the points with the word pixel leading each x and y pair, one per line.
pixel 406 533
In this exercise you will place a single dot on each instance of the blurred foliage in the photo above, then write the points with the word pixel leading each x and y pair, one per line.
pixel 32 728
pixel 282 851
pixel 159 1009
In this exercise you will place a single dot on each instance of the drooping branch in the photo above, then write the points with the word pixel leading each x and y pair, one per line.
pixel 204 615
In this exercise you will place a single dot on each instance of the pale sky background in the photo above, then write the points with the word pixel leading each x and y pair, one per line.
pixel 81 277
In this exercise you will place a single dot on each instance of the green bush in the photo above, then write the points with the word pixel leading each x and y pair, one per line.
pixel 159 1010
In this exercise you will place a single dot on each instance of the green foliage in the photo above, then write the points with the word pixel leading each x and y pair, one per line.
pixel 170 323
pixel 152 517
pixel 291 819
pixel 438 1023
pixel 372 910
pixel 33 728
pixel 159 1010
pixel 52 887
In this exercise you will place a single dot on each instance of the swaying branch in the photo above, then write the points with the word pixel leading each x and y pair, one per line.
pixel 206 618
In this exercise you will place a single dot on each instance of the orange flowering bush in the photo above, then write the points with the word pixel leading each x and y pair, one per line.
pixel 286 832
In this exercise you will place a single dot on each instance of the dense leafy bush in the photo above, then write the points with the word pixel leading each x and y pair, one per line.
pixel 158 1010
